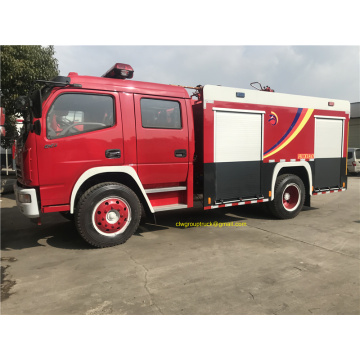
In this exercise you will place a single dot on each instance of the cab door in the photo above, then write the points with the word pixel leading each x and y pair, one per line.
pixel 81 130
pixel 162 141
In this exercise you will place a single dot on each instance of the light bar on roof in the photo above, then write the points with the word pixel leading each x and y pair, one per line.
pixel 120 71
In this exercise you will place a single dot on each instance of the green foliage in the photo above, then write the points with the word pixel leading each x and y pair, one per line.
pixel 21 65
pixel 11 131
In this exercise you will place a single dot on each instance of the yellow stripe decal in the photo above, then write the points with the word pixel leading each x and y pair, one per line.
pixel 295 133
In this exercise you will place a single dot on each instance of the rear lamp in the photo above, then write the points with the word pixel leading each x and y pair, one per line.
pixel 354 163
pixel 119 71
pixel 24 198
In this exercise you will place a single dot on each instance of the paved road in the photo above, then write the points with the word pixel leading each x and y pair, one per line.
pixel 307 265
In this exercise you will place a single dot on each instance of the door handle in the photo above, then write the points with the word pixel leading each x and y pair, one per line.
pixel 113 153
pixel 181 153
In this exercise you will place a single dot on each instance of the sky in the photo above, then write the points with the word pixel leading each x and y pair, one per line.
pixel 321 71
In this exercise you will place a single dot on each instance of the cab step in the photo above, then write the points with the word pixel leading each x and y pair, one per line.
pixel 169 207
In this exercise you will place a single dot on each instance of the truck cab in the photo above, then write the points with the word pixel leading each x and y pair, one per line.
pixel 98 132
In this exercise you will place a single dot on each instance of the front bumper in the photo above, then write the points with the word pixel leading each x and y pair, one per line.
pixel 31 208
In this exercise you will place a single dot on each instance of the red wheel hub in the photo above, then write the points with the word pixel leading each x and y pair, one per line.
pixel 291 197
pixel 111 215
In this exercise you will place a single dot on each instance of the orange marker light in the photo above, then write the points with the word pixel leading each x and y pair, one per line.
pixel 209 201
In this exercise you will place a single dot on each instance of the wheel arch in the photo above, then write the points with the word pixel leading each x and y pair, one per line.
pixel 125 175
pixel 301 169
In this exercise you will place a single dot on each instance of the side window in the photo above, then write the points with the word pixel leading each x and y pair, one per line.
pixel 350 155
pixel 73 114
pixel 161 114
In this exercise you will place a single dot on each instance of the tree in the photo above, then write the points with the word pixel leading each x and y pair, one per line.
pixel 21 65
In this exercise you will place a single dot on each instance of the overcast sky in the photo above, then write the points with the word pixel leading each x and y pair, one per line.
pixel 323 71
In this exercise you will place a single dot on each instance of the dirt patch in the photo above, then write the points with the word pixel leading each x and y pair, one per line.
pixel 6 284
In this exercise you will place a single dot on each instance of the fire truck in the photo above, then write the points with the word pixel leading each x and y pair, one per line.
pixel 99 149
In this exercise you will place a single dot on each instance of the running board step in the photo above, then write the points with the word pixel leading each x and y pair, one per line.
pixel 169 207
pixel 165 189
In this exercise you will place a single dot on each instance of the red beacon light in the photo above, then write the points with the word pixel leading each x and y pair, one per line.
pixel 119 71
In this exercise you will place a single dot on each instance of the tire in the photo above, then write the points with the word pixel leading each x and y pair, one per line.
pixel 107 214
pixel 289 197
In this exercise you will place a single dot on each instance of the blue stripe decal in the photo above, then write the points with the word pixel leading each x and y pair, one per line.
pixel 287 132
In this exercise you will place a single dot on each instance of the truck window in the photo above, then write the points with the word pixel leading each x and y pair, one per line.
pixel 162 114
pixel 73 114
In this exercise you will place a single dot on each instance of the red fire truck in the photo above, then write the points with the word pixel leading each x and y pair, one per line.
pixel 98 148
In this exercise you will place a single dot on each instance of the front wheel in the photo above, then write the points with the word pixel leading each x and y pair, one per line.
pixel 289 197
pixel 107 214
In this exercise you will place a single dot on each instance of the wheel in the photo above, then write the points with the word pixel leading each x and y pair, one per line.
pixel 107 214
pixel 289 197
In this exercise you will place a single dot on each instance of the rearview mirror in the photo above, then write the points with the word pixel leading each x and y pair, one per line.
pixel 36 104
pixel 37 127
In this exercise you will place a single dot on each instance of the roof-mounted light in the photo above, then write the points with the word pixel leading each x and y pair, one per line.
pixel 120 71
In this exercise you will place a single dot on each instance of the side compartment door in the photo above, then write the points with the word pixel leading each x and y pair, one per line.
pixel 328 152
pixel 237 154
pixel 162 141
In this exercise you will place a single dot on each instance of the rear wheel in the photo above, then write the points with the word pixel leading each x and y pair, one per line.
pixel 289 197
pixel 107 214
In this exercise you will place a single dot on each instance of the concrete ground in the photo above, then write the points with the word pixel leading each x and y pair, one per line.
pixel 8 179
pixel 307 265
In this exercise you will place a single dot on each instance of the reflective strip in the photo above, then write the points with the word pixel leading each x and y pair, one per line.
pixel 328 192
pixel 246 202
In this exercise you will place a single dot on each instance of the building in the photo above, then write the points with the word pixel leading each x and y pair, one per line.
pixel 354 126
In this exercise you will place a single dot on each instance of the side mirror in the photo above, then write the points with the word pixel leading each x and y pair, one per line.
pixel 37 127
pixel 37 104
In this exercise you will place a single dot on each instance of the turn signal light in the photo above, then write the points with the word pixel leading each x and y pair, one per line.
pixel 25 198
